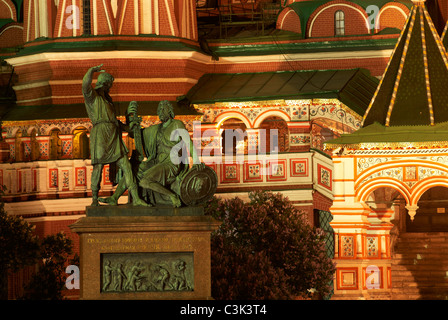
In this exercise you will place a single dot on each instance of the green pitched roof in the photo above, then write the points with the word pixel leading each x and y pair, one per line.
pixel 413 90
pixel 353 87
pixel 398 135
pixel 410 106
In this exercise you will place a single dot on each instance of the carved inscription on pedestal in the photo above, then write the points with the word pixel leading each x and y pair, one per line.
pixel 147 272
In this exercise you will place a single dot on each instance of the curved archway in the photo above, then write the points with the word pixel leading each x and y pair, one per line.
pixel 271 113
pixel 432 212
pixel 232 114
pixel 233 137
pixel 365 189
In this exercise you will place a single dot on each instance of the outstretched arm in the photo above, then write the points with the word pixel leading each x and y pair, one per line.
pixel 88 77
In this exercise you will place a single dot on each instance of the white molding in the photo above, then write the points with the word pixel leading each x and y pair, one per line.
pixel 195 56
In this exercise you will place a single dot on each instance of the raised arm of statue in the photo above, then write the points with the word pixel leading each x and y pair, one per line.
pixel 87 80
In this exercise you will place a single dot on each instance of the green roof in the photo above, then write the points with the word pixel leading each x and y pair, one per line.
pixel 354 87
pixel 412 91
pixel 379 134
pixel 410 105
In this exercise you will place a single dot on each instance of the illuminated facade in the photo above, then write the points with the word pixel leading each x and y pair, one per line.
pixel 306 70
pixel 391 175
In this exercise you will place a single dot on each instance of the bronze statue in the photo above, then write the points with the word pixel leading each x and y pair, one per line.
pixel 106 144
pixel 165 146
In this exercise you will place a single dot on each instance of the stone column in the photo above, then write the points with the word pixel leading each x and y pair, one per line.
pixel 12 148
pixel 362 254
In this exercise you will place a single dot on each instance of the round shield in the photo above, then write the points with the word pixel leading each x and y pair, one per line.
pixel 198 186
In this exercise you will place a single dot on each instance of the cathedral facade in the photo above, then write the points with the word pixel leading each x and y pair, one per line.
pixel 260 85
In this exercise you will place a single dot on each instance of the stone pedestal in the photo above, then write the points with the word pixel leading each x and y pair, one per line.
pixel 145 253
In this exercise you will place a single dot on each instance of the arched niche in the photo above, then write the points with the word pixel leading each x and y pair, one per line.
pixel 276 135
pixel 55 144
pixel 81 144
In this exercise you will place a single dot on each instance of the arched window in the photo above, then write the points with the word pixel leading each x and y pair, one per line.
pixel 339 19
pixel 234 137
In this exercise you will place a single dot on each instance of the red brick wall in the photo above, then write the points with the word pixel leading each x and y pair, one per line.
pixel 126 19
pixel 391 17
pixel 443 6
pixel 103 15
pixel 321 202
pixel 6 6
pixel 322 21
pixel 11 36
pixel 288 20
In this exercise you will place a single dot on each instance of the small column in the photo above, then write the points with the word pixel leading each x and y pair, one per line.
pixel 67 145
pixel 12 148
pixel 44 147
pixel 4 149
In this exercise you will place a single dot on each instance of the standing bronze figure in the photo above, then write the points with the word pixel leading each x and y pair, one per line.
pixel 106 143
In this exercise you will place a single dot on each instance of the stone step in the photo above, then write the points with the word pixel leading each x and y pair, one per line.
pixel 422 255
pixel 441 275
pixel 420 262
pixel 419 267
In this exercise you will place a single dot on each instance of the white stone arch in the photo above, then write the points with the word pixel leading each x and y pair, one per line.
pixel 340 5
pixel 271 113
pixel 386 7
pixel 30 130
pixel 10 8
pixel 363 191
pixel 232 114
pixel 51 128
pixel 424 185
